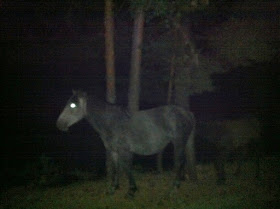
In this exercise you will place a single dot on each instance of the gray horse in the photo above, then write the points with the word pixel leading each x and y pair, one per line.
pixel 146 132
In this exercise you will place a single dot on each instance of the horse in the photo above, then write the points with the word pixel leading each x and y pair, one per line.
pixel 225 138
pixel 145 132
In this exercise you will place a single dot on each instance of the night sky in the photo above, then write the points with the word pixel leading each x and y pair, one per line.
pixel 44 57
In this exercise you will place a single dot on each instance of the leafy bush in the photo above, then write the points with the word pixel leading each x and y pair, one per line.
pixel 44 172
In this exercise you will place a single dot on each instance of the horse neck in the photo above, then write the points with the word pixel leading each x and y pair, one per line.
pixel 102 115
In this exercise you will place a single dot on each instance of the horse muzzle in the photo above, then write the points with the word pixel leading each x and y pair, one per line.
pixel 62 126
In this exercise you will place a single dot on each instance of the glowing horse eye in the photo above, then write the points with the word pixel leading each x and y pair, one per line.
pixel 73 105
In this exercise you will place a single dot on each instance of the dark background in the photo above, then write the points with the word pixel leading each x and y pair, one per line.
pixel 44 58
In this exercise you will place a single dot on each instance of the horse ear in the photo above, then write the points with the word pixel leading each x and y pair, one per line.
pixel 79 92
pixel 84 94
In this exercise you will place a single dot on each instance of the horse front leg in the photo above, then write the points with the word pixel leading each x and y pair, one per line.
pixel 179 165
pixel 240 157
pixel 219 165
pixel 113 170
pixel 126 164
pixel 108 164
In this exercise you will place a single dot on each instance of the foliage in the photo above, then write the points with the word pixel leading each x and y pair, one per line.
pixel 174 49
pixel 44 172
pixel 81 175
pixel 167 10
pixel 198 77
pixel 157 59
pixel 47 172
pixel 243 41
pixel 155 192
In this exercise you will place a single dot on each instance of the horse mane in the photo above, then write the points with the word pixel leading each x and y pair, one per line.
pixel 102 104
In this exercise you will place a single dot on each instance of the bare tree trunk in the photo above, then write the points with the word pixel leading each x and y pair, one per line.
pixel 169 97
pixel 110 65
pixel 182 89
pixel 182 98
pixel 178 90
pixel 171 80
pixel 134 84
pixel 109 52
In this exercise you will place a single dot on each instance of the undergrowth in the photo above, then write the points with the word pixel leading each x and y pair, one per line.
pixel 155 192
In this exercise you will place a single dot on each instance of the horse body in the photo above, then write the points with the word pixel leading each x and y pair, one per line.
pixel 146 132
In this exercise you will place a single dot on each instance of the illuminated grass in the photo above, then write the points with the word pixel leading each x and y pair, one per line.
pixel 155 192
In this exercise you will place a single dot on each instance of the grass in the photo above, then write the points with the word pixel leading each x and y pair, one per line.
pixel 155 191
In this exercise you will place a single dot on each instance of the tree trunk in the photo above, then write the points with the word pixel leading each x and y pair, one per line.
pixel 110 64
pixel 109 52
pixel 169 98
pixel 182 98
pixel 182 89
pixel 181 94
pixel 171 81
pixel 134 84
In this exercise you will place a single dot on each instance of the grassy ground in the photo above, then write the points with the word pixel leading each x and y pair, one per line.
pixel 155 192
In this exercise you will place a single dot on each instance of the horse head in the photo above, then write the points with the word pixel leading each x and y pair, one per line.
pixel 74 111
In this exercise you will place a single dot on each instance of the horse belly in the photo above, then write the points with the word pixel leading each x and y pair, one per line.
pixel 147 134
pixel 148 143
pixel 148 148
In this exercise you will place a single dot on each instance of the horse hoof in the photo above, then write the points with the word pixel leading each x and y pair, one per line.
pixel 183 178
pixel 221 182
pixel 130 194
pixel 112 190
pixel 237 173
pixel 176 184
pixel 193 178
pixel 173 192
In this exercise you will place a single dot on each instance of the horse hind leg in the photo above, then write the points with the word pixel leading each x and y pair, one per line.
pixel 191 159
pixel 220 169
pixel 113 171
pixel 239 159
pixel 179 165
pixel 219 165
pixel 126 164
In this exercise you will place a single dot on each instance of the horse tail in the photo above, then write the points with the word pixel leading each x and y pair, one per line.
pixel 190 150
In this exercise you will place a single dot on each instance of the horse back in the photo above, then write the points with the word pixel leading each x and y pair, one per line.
pixel 172 118
pixel 149 131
